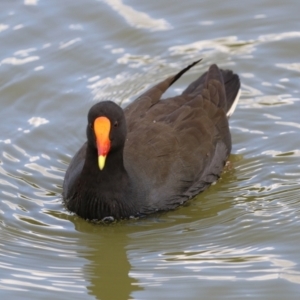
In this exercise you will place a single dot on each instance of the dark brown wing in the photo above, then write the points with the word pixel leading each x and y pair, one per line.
pixel 140 107
pixel 179 145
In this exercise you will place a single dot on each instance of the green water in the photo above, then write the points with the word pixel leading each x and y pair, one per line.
pixel 239 239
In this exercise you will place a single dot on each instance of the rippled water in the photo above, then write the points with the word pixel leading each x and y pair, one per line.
pixel 238 239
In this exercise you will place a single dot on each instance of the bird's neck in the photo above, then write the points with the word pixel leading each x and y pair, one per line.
pixel 108 191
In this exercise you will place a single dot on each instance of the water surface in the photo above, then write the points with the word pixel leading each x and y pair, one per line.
pixel 240 238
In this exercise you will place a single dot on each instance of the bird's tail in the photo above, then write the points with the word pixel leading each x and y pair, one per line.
pixel 224 82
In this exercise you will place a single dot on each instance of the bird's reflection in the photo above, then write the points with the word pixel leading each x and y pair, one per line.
pixel 108 267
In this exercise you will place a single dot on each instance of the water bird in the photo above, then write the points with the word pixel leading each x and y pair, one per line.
pixel 156 154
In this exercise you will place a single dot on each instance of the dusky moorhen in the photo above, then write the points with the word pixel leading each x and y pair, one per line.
pixel 155 154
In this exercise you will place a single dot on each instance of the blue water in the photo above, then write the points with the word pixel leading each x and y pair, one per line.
pixel 240 238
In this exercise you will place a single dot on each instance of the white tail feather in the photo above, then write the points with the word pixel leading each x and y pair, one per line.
pixel 234 104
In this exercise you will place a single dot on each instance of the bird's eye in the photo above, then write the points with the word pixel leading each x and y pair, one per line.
pixel 91 125
pixel 116 124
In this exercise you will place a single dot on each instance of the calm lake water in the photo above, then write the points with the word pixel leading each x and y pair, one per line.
pixel 239 239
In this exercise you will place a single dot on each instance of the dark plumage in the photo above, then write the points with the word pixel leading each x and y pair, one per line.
pixel 162 152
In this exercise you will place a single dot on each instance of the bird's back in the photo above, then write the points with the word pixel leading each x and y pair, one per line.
pixel 178 146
